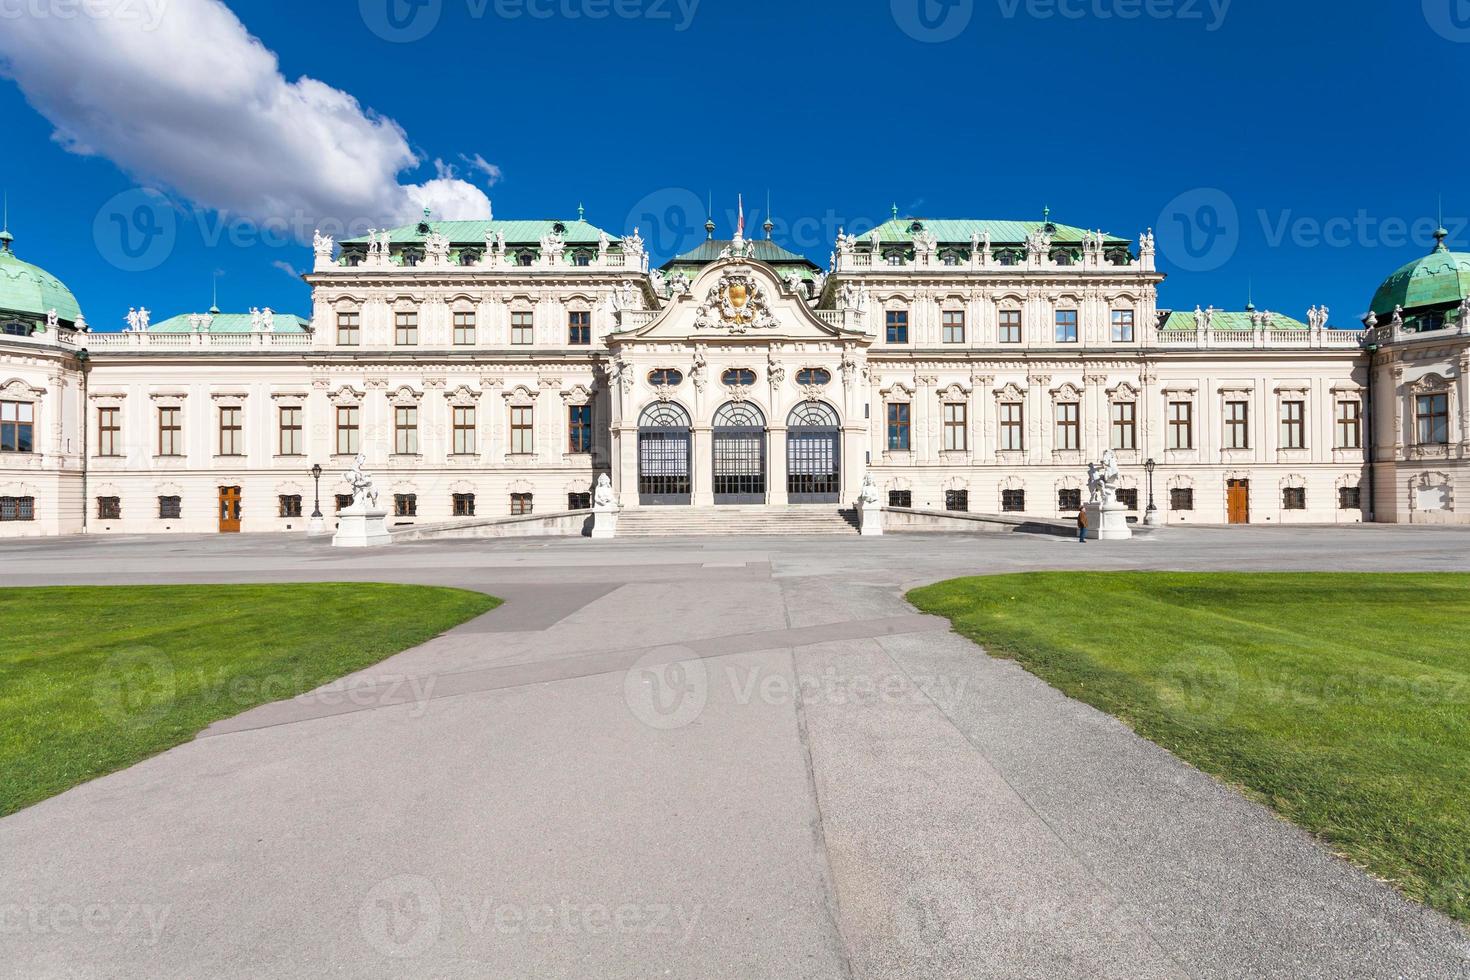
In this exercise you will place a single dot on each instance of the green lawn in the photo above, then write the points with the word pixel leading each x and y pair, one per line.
pixel 1343 701
pixel 96 679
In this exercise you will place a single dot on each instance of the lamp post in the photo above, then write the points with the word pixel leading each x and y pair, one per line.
pixel 1150 516
pixel 317 524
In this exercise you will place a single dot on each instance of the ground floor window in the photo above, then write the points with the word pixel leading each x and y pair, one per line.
pixel 1013 501
pixel 344 501
pixel 900 498
pixel 1181 498
pixel 957 500
pixel 464 505
pixel 1070 499
pixel 290 505
pixel 109 508
pixel 1128 498
pixel 17 508
pixel 405 505
pixel 170 508
pixel 579 501
pixel 1294 498
pixel 1350 498
pixel 520 504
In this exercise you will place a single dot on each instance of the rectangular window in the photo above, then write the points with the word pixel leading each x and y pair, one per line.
pixel 1237 425
pixel 1181 498
pixel 954 326
pixel 406 430
pixel 957 500
pixel 349 329
pixel 898 326
pixel 956 427
pixel 170 508
pixel 1012 429
pixel 901 498
pixel 579 501
pixel 17 508
pixel 1294 498
pixel 290 505
pixel 1181 425
pixel 1069 499
pixel 463 504
pixel 405 505
pixel 1293 425
pixel 464 430
pixel 1125 425
pixel 344 500
pixel 109 508
pixel 109 432
pixel 1349 498
pixel 464 329
pixel 523 327
pixel 1128 498
pixel 520 504
pixel 1069 425
pixel 522 430
pixel 579 428
pixel 1066 326
pixel 579 328
pixel 1433 416
pixel 17 427
pixel 231 431
pixel 170 431
pixel 1010 326
pixel 1013 501
pixel 898 426
pixel 406 329
pixel 347 430
pixel 1122 326
pixel 291 444
pixel 1350 424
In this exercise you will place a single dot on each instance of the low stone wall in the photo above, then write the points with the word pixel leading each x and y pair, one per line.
pixel 908 520
pixel 564 524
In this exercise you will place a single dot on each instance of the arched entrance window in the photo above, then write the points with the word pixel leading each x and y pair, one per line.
pixel 740 454
pixel 813 454
pixel 663 455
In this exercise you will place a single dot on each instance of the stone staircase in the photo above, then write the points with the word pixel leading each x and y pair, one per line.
pixel 662 522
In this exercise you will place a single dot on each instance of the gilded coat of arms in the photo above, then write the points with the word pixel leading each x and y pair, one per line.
pixel 737 303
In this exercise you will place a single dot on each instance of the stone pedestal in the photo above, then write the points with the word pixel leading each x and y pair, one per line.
pixel 605 522
pixel 1108 522
pixel 361 528
pixel 316 526
pixel 870 520
pixel 1152 518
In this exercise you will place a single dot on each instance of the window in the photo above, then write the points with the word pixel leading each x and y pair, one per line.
pixel 344 500
pixel 1349 498
pixel 17 508
pixel 1293 425
pixel 1013 501
pixel 582 260
pixel 1125 425
pixel 667 378
pixel 347 430
pixel 522 430
pixel 464 328
pixel 406 329
pixel 898 426
pixel 579 501
pixel 898 326
pixel 1010 326
pixel 520 504
pixel 956 427
pixel 170 431
pixel 525 259
pixel 1237 425
pixel 406 430
pixel 109 432
pixel 1433 416
pixel 463 504
pixel 523 327
pixel 957 500
pixel 954 326
pixel 1122 326
pixel 290 504
pixel 579 428
pixel 1294 498
pixel 1350 424
pixel 17 427
pixel 813 378
pixel 231 432
pixel 464 430
pixel 109 508
pixel 349 329
pixel 1128 497
pixel 291 430
pixel 1181 498
pixel 893 258
pixel 170 508
pixel 1069 427
pixel 1069 498
pixel 738 378
pixel 1012 434
pixel 901 498
pixel 1066 326
pixel 1181 425
pixel 579 328
pixel 405 505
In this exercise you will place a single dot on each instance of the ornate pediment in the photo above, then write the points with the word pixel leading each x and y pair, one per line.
pixel 737 302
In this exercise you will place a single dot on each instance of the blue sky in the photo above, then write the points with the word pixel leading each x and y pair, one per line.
pixel 1297 145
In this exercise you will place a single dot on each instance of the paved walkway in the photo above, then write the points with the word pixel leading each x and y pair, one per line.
pixel 705 758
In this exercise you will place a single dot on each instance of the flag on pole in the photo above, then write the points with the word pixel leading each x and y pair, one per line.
pixel 740 227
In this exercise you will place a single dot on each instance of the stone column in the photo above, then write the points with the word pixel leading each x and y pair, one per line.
pixel 776 494
pixel 701 466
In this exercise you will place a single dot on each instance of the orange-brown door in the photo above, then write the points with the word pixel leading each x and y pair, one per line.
pixel 1239 501
pixel 229 510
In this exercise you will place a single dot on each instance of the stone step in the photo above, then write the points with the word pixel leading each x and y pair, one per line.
pixel 718 521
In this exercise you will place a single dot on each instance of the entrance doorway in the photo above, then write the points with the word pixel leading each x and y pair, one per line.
pixel 229 510
pixel 740 454
pixel 663 456
pixel 813 455
pixel 1238 501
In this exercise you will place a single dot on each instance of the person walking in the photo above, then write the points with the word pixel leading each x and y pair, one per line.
pixel 1082 525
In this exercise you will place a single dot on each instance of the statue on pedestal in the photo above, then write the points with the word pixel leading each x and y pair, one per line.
pixel 361 482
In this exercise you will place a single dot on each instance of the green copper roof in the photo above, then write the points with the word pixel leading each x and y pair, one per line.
pixel 1225 320
pixel 764 251
pixel 1441 278
pixel 474 232
pixel 954 231
pixel 31 290
pixel 228 323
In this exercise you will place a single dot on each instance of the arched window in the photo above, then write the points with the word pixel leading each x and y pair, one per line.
pixel 813 415
pixel 582 259
pixel 739 415
pixel 813 377
pixel 738 378
pixel 664 415
pixel 665 377
pixel 525 258
pixel 468 256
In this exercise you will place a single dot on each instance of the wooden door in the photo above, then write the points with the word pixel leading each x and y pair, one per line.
pixel 229 510
pixel 1239 501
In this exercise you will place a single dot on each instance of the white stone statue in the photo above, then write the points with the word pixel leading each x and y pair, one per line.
pixel 268 320
pixel 552 247
pixel 364 493
pixel 132 319
pixel 143 318
pixel 869 495
pixel 862 302
pixel 321 244
pixel 657 279
pixel 52 320
pixel 1199 319
pixel 1103 479
pixel 819 283
pixel 1464 322
pixel 795 284
pixel 680 284
pixel 870 508
pixel 1398 319
pixel 602 244
pixel 847 295
pixel 436 249
pixel 603 497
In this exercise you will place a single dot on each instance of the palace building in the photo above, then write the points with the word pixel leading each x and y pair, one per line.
pixel 494 369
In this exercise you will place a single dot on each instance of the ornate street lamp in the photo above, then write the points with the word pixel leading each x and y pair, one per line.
pixel 317 525
pixel 1150 516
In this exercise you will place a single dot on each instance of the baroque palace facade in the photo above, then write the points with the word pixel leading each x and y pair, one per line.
pixel 493 369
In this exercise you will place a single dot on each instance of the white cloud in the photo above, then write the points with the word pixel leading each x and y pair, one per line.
pixel 194 103
pixel 491 171
pixel 287 268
